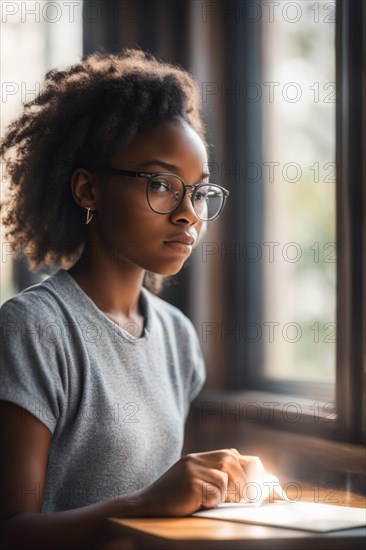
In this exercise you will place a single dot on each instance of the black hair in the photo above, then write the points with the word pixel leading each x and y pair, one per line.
pixel 83 113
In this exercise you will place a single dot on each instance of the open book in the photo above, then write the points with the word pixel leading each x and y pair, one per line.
pixel 306 516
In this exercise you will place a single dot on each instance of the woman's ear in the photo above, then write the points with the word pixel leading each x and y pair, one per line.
pixel 83 188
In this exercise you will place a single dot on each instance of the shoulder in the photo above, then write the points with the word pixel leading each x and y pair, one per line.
pixel 36 302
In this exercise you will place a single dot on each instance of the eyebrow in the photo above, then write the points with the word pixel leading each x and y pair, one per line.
pixel 168 166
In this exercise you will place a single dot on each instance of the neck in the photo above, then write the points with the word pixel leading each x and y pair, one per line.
pixel 114 287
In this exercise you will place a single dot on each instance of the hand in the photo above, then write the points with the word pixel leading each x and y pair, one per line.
pixel 203 480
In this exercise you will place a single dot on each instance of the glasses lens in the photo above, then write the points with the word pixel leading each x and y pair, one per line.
pixel 208 201
pixel 165 193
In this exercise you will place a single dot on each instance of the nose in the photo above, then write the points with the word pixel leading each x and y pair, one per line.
pixel 185 212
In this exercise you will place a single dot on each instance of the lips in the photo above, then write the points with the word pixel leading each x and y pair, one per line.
pixel 184 239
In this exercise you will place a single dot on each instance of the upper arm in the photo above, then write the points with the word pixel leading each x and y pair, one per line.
pixel 23 460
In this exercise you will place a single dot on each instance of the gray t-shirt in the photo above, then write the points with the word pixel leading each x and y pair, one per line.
pixel 116 405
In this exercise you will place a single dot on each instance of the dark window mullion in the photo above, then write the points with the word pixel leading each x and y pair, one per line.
pixel 245 209
pixel 350 151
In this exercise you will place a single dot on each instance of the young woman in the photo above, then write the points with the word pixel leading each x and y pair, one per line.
pixel 108 182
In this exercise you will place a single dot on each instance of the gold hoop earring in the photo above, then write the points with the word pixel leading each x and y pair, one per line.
pixel 88 216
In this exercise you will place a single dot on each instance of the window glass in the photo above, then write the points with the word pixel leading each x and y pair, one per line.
pixel 35 37
pixel 299 181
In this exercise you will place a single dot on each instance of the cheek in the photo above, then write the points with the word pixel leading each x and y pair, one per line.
pixel 117 222
pixel 118 208
pixel 128 223
pixel 116 218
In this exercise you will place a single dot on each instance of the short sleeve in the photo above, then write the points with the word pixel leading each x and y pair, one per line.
pixel 29 375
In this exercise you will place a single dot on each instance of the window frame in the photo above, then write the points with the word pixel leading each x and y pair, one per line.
pixel 350 384
pixel 351 230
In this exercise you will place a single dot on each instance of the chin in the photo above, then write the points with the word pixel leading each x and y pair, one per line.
pixel 168 270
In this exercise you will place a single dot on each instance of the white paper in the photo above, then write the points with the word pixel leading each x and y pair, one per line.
pixel 306 516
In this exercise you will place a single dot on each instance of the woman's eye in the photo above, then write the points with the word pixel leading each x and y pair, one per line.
pixel 200 197
pixel 160 186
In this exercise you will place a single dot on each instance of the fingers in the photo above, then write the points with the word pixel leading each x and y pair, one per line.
pixel 254 471
pixel 261 485
pixel 228 461
pixel 246 479
pixel 214 487
pixel 253 466
pixel 246 476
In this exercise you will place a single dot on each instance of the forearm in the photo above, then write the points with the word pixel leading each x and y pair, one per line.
pixel 78 528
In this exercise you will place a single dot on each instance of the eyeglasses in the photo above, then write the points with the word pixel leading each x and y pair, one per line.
pixel 165 193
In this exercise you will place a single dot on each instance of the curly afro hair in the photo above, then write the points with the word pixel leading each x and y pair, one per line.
pixel 83 113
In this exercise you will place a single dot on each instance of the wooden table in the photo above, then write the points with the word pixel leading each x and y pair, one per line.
pixel 193 532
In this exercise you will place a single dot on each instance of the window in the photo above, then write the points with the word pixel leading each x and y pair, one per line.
pixel 289 328
pixel 32 42
pixel 294 167
pixel 299 248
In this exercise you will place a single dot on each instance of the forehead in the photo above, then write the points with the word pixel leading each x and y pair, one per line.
pixel 173 142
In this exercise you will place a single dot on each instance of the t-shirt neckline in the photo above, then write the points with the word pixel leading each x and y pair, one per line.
pixel 145 307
